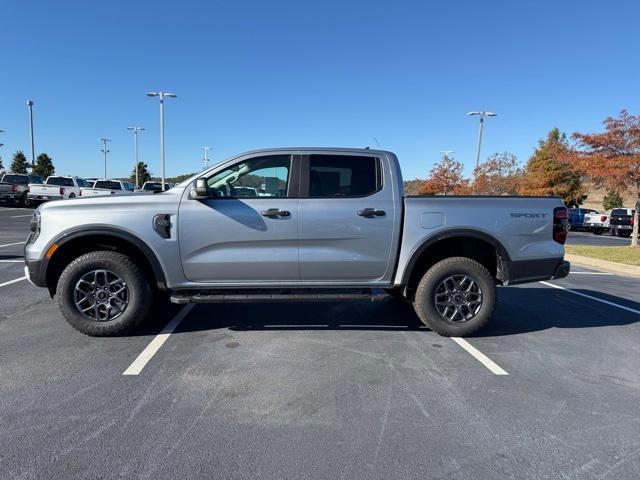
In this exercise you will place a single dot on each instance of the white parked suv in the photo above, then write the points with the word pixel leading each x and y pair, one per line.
pixel 57 188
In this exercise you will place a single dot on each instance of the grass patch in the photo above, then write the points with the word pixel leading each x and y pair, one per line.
pixel 626 255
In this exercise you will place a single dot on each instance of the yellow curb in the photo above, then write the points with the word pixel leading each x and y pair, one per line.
pixel 604 265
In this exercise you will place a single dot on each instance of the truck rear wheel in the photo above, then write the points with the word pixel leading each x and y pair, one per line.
pixel 455 297
pixel 103 293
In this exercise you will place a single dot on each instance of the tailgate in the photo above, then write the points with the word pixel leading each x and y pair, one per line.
pixel 620 220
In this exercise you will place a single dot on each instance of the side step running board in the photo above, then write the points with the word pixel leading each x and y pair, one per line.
pixel 280 295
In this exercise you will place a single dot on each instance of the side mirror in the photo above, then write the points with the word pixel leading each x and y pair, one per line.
pixel 200 190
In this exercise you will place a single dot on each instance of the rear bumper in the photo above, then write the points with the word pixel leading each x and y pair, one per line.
pixel 44 198
pixel 535 270
pixel 10 196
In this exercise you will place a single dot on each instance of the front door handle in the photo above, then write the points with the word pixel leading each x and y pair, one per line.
pixel 275 212
pixel 371 212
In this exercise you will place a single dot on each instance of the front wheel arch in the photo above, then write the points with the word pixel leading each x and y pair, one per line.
pixel 73 244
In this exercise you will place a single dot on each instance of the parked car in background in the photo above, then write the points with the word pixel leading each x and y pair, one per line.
pixel 57 188
pixel 154 187
pixel 14 187
pixel 621 223
pixel 107 187
pixel 596 223
pixel 335 226
pixel 576 217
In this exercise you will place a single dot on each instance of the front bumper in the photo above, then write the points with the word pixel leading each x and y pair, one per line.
pixel 35 272
pixel 527 271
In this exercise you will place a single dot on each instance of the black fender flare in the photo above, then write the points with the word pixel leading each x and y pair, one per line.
pixel 453 233
pixel 85 231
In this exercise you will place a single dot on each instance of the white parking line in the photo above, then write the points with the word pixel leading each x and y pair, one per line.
pixel 481 357
pixel 12 261
pixel 590 273
pixel 9 209
pixel 12 244
pixel 15 280
pixel 18 216
pixel 147 354
pixel 632 310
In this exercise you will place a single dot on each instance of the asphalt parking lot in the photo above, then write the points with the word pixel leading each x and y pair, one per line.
pixel 550 389
pixel 588 238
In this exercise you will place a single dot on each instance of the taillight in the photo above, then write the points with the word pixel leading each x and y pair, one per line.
pixel 61 191
pixel 560 224
pixel 632 218
pixel 14 187
pixel 603 218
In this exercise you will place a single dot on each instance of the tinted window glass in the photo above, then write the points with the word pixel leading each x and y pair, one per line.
pixel 35 179
pixel 619 211
pixel 66 182
pixel 343 176
pixel 16 179
pixel 53 181
pixel 258 177
pixel 83 183
pixel 107 184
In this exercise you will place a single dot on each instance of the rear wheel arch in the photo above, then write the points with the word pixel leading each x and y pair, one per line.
pixel 72 245
pixel 481 247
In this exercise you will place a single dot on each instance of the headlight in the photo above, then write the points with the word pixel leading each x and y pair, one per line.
pixel 34 226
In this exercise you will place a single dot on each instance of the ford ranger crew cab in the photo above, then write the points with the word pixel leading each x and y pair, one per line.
pixel 310 224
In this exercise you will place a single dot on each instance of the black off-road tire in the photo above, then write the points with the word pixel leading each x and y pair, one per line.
pixel 24 200
pixel 424 301
pixel 624 233
pixel 140 293
pixel 598 231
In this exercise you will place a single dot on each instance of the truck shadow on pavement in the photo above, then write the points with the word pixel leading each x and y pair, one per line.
pixel 523 310
pixel 518 310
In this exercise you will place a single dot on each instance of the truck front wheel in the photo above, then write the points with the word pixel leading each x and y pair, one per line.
pixel 103 293
pixel 455 297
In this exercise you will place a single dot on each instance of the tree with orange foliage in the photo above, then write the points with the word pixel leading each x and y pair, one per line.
pixel 445 178
pixel 612 158
pixel 549 172
pixel 499 175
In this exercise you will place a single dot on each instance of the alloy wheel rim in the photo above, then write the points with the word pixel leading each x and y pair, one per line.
pixel 458 298
pixel 101 295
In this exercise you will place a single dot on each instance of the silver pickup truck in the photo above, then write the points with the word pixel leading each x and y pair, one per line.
pixel 323 224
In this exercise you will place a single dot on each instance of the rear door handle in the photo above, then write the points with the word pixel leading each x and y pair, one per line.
pixel 275 212
pixel 371 212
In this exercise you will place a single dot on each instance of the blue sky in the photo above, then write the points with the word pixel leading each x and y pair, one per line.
pixel 262 74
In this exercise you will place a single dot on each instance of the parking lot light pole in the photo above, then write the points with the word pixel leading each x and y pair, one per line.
pixel 135 131
pixel 205 160
pixel 162 96
pixel 105 150
pixel 33 149
pixel 482 115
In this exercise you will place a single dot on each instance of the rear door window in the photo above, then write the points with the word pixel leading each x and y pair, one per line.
pixel 343 176
pixel 54 181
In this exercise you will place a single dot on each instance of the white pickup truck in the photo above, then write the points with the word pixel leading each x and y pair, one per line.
pixel 56 188
pixel 107 187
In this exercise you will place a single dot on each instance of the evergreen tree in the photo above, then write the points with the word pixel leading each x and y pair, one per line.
pixel 144 175
pixel 19 163
pixel 612 200
pixel 44 166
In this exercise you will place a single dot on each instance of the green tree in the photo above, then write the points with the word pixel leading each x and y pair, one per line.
pixel 44 166
pixel 1 164
pixel 549 172
pixel 144 175
pixel 612 200
pixel 19 163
